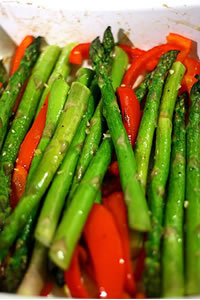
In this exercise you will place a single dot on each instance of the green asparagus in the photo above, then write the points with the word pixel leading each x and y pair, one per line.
pixel 73 220
pixel 14 85
pixel 17 263
pixel 3 77
pixel 142 90
pixel 138 215
pixel 159 178
pixel 192 204
pixel 59 188
pixel 172 256
pixel 22 122
pixel 150 115
pixel 119 65
pixel 35 276
pixel 55 105
pixel 54 154
pixel 62 68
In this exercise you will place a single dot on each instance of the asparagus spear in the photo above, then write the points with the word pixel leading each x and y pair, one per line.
pixel 142 90
pixel 3 77
pixel 159 177
pixel 21 123
pixel 59 188
pixel 119 65
pixel 192 262
pixel 34 278
pixel 55 105
pixel 89 148
pixel 138 215
pixel 52 158
pixel 15 83
pixel 17 263
pixel 62 68
pixel 172 257
pixel 150 115
pixel 73 220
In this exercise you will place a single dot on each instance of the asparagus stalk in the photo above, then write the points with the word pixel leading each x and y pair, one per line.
pixel 150 115
pixel 119 65
pixel 59 188
pixel 62 68
pixel 172 257
pixel 55 105
pixel 3 77
pixel 142 90
pixel 22 122
pixel 15 83
pixel 34 278
pixel 90 147
pixel 159 177
pixel 17 263
pixel 192 262
pixel 73 220
pixel 138 215
pixel 52 158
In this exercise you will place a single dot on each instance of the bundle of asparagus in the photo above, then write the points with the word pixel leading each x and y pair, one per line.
pixel 84 131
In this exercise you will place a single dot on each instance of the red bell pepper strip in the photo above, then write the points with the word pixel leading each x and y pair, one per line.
pixel 20 53
pixel 106 252
pixel 192 68
pixel 116 205
pixel 73 277
pixel 1 84
pixel 139 65
pixel 114 168
pixel 47 289
pixel 132 53
pixel 25 155
pixel 131 114
pixel 79 53
pixel 184 43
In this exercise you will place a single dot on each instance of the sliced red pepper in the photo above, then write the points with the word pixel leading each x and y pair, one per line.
pixel 116 205
pixel 106 251
pixel 192 68
pixel 19 53
pixel 139 65
pixel 79 53
pixel 132 52
pixel 114 168
pixel 184 43
pixel 131 114
pixel 47 289
pixel 1 84
pixel 25 155
pixel 73 277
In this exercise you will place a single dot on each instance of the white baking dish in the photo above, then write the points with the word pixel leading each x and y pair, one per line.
pixel 147 23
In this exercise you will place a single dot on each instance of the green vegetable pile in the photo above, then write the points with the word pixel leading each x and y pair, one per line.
pixel 83 133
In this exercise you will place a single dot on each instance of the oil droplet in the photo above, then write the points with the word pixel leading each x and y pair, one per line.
pixel 60 254
pixel 103 294
pixel 121 261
